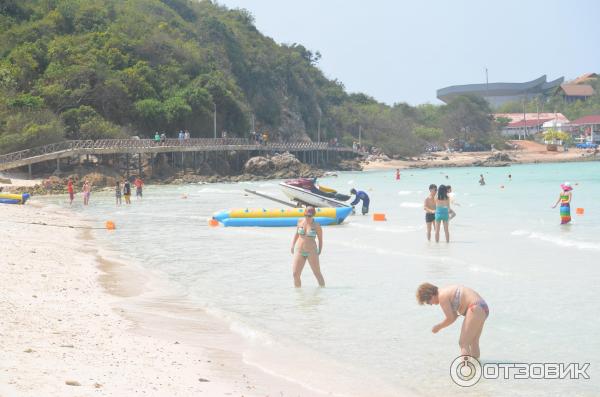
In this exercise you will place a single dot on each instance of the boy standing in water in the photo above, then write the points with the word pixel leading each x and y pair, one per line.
pixel 127 192
pixel 139 184
pixel 71 191
pixel 429 207
pixel 87 189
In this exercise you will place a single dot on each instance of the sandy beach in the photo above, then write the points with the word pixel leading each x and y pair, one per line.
pixel 76 324
pixel 526 152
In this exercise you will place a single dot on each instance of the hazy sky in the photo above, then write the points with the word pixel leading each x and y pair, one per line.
pixel 400 51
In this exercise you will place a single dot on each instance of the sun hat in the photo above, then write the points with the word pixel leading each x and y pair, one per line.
pixel 566 186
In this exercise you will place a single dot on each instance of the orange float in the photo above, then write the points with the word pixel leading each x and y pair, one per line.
pixel 379 217
pixel 213 222
pixel 579 211
pixel 110 225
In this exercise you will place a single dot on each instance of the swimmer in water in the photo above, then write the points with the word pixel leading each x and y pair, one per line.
pixel 481 180
pixel 457 300
pixel 429 207
pixel 304 247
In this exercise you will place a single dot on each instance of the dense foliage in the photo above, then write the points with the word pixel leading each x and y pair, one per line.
pixel 86 69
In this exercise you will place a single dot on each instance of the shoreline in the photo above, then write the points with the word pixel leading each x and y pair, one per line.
pixel 111 328
pixel 527 153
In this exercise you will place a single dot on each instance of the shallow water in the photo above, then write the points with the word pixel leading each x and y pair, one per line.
pixel 539 278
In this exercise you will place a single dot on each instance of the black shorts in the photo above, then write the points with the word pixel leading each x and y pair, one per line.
pixel 429 217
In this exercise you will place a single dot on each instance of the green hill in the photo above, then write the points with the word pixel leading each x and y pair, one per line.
pixel 87 69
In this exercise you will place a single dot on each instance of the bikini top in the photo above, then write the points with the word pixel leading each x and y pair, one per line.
pixel 311 233
pixel 564 198
pixel 455 303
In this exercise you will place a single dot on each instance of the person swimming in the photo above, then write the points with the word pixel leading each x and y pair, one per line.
pixel 442 213
pixel 304 247
pixel 456 300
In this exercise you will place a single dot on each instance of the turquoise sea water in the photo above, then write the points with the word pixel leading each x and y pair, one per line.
pixel 539 278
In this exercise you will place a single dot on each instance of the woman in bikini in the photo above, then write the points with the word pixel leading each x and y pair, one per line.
pixel 442 213
pixel 457 300
pixel 304 246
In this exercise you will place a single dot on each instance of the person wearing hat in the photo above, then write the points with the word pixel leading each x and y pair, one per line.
pixel 564 199
pixel 304 246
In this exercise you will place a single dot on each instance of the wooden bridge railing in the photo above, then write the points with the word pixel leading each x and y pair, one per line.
pixel 143 145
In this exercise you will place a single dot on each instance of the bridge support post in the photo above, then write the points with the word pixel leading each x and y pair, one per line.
pixel 29 169
pixel 140 165
pixel 127 165
pixel 57 165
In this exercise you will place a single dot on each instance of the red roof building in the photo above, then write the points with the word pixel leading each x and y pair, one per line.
pixel 524 128
pixel 592 119
pixel 586 128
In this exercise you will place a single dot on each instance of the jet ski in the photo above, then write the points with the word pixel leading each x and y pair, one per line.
pixel 306 191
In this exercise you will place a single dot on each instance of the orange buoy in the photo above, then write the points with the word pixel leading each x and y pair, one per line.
pixel 579 211
pixel 379 217
pixel 110 225
pixel 213 222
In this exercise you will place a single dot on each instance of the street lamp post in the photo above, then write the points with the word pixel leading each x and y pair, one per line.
pixel 319 129
pixel 215 120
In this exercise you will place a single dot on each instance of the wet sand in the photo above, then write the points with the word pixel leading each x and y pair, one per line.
pixel 75 323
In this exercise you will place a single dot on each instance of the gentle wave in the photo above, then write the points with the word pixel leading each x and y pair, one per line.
pixel 406 229
pixel 408 204
pixel 215 190
pixel 561 242
pixel 240 328
pixel 405 192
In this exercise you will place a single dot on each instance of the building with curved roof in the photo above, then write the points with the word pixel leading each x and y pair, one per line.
pixel 499 93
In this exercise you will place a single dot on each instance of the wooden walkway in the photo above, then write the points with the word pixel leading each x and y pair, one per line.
pixel 67 149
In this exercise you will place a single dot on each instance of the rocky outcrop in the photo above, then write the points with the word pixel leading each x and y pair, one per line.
pixel 496 160
pixel 284 165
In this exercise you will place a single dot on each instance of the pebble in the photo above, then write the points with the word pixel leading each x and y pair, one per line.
pixel 72 383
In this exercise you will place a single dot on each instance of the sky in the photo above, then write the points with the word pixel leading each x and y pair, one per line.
pixel 400 51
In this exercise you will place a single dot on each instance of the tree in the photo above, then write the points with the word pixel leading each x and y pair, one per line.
pixel 467 118
pixel 429 134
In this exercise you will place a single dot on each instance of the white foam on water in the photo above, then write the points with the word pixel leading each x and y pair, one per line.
pixel 479 269
pixel 215 190
pixel 408 204
pixel 405 192
pixel 385 229
pixel 558 241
